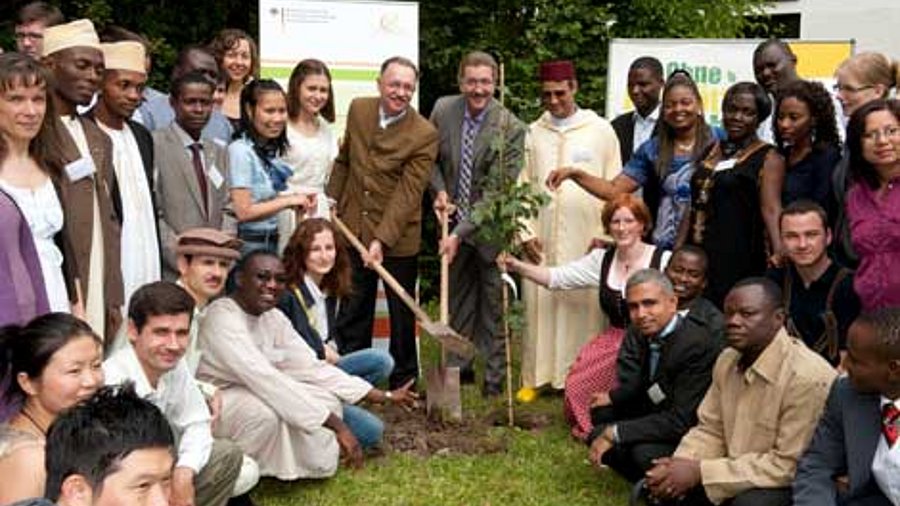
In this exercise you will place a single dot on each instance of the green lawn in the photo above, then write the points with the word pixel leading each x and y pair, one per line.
pixel 540 467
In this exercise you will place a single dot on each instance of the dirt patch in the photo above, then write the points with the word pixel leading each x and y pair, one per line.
pixel 414 433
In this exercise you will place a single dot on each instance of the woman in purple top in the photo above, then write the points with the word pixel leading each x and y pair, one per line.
pixel 22 294
pixel 873 202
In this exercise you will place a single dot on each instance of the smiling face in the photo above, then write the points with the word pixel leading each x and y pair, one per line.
pixel 260 283
pixel 650 307
pixel 687 272
pixel 122 91
pixel 237 61
pixel 160 343
pixel 881 140
pixel 477 85
pixel 269 116
pixel 625 228
pixel 794 120
pixel 681 108
pixel 77 72
pixel 751 322
pixel 740 117
pixel 396 86
pixel 71 375
pixel 321 255
pixel 203 275
pixel 805 238
pixel 22 110
pixel 313 93
pixel 643 89
pixel 558 98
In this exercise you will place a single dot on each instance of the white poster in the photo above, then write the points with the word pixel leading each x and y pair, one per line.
pixel 351 37
pixel 715 64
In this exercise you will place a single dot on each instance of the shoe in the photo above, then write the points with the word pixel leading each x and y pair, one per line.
pixel 467 376
pixel 241 500
pixel 491 390
pixel 526 395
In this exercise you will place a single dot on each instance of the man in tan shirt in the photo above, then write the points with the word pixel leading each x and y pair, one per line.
pixel 378 180
pixel 767 393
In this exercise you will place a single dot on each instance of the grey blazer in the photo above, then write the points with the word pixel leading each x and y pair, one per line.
pixel 844 444
pixel 178 198
pixel 448 115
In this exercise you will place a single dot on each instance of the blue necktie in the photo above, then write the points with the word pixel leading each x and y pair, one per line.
pixel 464 188
pixel 655 348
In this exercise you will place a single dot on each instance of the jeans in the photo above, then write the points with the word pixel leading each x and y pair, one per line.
pixel 370 364
pixel 374 366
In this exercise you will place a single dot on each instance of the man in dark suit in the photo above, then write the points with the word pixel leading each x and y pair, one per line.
pixel 378 180
pixel 120 94
pixel 664 370
pixel 687 272
pixel 645 82
pixel 83 164
pixel 470 125
pixel 191 171
pixel 853 457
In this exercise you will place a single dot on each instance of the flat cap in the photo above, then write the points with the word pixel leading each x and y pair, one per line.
pixel 208 242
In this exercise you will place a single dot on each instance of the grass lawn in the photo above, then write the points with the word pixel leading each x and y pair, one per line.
pixel 540 467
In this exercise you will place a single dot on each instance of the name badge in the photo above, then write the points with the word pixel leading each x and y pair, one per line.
pixel 581 154
pixel 725 165
pixel 215 177
pixel 656 394
pixel 80 169
pixel 220 142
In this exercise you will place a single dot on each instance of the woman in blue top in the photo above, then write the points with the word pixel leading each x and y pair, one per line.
pixel 663 165
pixel 256 172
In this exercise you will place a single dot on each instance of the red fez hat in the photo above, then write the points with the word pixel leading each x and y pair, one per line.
pixel 559 70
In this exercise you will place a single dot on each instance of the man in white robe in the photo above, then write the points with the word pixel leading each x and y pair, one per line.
pixel 281 404
pixel 120 94
pixel 559 323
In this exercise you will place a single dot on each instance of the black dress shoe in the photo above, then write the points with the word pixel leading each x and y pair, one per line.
pixel 467 376
pixel 241 500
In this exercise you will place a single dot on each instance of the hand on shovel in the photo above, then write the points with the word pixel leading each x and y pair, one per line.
pixel 374 255
pixel 449 247
pixel 404 396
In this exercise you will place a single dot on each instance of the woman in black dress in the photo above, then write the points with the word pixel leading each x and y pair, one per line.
pixel 736 195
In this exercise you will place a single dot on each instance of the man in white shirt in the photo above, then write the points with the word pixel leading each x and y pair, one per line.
pixel 158 331
pixel 854 457
pixel 123 82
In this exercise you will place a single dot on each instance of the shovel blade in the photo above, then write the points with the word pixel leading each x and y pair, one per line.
pixel 450 339
pixel 443 400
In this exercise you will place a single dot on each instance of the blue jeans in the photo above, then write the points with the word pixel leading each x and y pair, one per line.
pixel 371 364
pixel 374 366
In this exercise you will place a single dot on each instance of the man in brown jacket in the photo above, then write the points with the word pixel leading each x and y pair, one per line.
pixel 83 164
pixel 378 180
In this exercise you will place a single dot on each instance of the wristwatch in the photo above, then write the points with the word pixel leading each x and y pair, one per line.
pixel 388 395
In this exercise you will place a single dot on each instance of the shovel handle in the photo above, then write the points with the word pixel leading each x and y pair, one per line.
pixel 445 271
pixel 385 275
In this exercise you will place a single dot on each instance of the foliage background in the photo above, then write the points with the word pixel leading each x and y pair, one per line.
pixel 520 33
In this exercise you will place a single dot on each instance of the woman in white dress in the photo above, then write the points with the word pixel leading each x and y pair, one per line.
pixel 25 132
pixel 312 144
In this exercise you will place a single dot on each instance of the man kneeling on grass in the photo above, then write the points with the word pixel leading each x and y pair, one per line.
pixel 664 369
pixel 280 403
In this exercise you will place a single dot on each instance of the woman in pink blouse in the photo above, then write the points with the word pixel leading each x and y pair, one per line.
pixel 873 202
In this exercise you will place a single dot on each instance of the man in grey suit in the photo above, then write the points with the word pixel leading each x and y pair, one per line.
pixel 854 456
pixel 469 125
pixel 191 171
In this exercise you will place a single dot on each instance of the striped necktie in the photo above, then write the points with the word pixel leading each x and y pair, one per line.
pixel 464 187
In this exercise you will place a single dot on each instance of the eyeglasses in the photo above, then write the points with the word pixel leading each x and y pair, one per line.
pixel 29 35
pixel 475 82
pixel 554 93
pixel 849 89
pixel 885 133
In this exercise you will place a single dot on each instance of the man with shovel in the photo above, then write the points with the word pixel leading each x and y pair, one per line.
pixel 378 180
pixel 469 125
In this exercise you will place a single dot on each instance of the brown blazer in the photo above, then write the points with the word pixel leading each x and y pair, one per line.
pixel 78 204
pixel 380 175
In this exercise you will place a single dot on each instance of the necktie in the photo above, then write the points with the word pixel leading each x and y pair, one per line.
pixel 200 173
pixel 464 188
pixel 889 415
pixel 655 347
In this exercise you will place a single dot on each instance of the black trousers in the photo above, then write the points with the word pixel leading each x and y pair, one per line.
pixel 752 497
pixel 356 317
pixel 632 461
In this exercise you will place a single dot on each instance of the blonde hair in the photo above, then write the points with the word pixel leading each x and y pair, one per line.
pixel 872 68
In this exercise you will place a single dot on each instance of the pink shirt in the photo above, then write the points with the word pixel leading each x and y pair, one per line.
pixel 875 232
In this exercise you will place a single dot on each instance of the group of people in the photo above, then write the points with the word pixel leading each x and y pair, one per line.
pixel 728 299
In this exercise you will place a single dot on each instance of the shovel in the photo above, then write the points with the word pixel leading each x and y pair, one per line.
pixel 443 390
pixel 448 338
